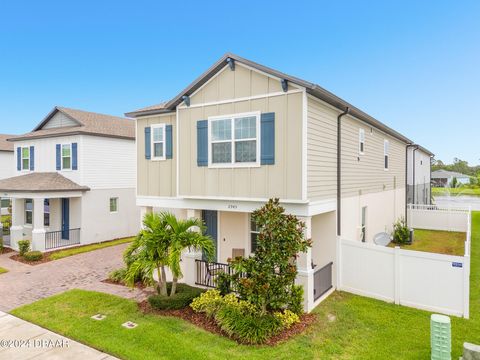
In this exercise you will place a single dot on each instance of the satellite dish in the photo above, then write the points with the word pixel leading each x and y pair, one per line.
pixel 382 239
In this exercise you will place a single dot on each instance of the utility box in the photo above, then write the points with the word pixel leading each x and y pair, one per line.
pixel 412 234
pixel 440 337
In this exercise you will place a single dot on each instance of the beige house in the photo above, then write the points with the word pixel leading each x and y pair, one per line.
pixel 243 133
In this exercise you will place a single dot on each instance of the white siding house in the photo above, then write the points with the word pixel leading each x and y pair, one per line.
pixel 73 181
pixel 6 167
pixel 419 175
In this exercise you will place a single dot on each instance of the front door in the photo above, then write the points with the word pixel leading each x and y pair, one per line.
pixel 209 217
pixel 65 219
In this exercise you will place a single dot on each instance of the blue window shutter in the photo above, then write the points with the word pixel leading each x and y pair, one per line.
pixel 148 143
pixel 267 144
pixel 19 158
pixel 169 140
pixel 74 156
pixel 58 156
pixel 32 158
pixel 202 142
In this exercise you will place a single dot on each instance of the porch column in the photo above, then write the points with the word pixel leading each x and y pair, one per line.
pixel 16 231
pixel 304 268
pixel 190 257
pixel 144 210
pixel 38 232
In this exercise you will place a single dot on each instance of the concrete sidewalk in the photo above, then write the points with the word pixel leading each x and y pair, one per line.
pixel 21 340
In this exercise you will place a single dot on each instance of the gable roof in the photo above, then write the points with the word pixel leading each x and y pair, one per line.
pixel 311 88
pixel 4 144
pixel 89 123
pixel 40 182
pixel 443 174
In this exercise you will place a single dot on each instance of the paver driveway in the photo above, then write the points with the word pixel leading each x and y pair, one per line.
pixel 24 284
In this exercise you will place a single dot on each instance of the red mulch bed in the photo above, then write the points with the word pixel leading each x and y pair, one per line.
pixel 5 250
pixel 202 321
pixel 46 258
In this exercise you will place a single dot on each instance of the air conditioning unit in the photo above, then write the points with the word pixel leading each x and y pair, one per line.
pixel 361 233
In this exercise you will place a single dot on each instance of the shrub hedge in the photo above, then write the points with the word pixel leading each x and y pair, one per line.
pixel 182 298
pixel 33 256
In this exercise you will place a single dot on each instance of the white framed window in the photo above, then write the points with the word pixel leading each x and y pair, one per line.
pixel 254 232
pixel 28 211
pixel 114 204
pixel 361 141
pixel 46 212
pixel 25 158
pixel 234 140
pixel 66 156
pixel 363 235
pixel 158 142
pixel 386 150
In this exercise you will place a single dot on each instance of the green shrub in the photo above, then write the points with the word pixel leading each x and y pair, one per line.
pixel 295 302
pixel 250 328
pixel 118 275
pixel 287 318
pixel 401 232
pixel 23 247
pixel 181 299
pixel 212 301
pixel 1 244
pixel 33 256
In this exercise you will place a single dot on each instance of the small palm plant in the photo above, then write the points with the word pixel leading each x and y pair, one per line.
pixel 160 245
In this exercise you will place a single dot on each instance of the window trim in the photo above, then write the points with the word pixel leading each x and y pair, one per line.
pixel 386 154
pixel 250 232
pixel 361 140
pixel 25 212
pixel 162 126
pixel 45 213
pixel 62 157
pixel 24 158
pixel 110 204
pixel 232 140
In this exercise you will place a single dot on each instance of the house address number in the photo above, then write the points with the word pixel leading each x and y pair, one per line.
pixel 231 206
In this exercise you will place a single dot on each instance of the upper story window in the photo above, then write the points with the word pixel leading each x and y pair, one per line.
pixel 233 140
pixel 361 141
pixel 67 157
pixel 158 142
pixel 25 158
pixel 386 150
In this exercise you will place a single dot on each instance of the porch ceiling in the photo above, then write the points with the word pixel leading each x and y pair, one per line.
pixel 38 182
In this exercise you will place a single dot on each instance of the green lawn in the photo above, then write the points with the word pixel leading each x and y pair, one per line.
pixel 82 249
pixel 364 328
pixel 456 191
pixel 3 271
pixel 440 242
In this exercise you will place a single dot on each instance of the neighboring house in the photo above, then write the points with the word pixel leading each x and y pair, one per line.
pixel 444 178
pixel 6 167
pixel 243 133
pixel 74 180
pixel 419 175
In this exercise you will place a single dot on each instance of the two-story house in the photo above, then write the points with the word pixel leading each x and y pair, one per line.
pixel 6 167
pixel 74 180
pixel 242 133
pixel 419 173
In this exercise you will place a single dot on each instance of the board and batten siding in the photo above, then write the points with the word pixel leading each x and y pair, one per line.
pixel 59 120
pixel 321 151
pixel 156 178
pixel 363 174
pixel 283 179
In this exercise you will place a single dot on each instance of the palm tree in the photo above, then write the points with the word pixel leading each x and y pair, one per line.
pixel 160 244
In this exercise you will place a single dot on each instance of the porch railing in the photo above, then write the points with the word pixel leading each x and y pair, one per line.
pixel 58 239
pixel 322 281
pixel 208 272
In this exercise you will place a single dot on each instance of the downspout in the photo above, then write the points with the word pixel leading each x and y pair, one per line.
pixel 339 170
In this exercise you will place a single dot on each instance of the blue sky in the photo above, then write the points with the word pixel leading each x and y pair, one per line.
pixel 414 65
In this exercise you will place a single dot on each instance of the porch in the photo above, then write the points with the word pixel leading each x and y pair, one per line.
pixel 46 209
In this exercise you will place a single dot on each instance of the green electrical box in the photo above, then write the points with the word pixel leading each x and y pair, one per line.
pixel 441 337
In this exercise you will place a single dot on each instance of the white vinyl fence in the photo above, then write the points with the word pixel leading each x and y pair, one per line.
pixel 427 281
pixel 434 217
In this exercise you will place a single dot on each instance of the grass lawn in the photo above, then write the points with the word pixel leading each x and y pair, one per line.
pixel 3 271
pixel 86 248
pixel 364 328
pixel 440 242
pixel 456 191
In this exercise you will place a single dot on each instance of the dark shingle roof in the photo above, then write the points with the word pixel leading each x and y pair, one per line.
pixel 40 182
pixel 89 123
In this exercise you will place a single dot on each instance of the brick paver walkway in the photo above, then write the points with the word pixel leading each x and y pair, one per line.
pixel 24 284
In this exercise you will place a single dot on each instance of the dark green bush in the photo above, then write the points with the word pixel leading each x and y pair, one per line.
pixel 182 298
pixel 23 247
pixel 249 328
pixel 401 232
pixel 118 275
pixel 33 256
